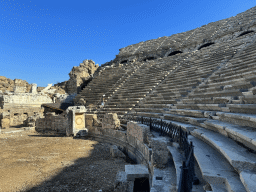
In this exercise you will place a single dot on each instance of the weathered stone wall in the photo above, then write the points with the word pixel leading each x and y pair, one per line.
pixel 111 121
pixel 17 115
pixel 221 31
pixel 26 99
pixel 80 76
pixel 18 106
pixel 139 131
pixel 137 141
pixel 151 152
pixel 52 122
pixel 91 121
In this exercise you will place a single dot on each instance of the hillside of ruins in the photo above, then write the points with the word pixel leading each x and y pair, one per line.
pixel 161 102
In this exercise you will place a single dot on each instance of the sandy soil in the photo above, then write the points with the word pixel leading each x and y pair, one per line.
pixel 30 161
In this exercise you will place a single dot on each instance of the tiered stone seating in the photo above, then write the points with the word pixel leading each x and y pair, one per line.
pixel 219 113
pixel 181 82
pixel 139 85
pixel 106 83
pixel 228 88
pixel 229 135
pixel 210 93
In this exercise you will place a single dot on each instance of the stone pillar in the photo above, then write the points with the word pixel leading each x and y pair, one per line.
pixel 76 118
pixel 33 88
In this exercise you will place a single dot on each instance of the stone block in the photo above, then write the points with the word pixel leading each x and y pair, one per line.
pixel 121 183
pixel 160 155
pixel 136 171
pixel 19 89
pixel 5 123
pixel 115 152
pixel 138 130
pixel 110 121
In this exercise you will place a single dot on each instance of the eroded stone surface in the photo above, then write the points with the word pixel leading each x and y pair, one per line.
pixel 80 75
pixel 111 121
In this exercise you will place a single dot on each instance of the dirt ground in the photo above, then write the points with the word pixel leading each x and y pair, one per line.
pixel 30 161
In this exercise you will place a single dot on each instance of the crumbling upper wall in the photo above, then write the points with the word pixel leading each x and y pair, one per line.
pixel 33 100
pixel 79 77
pixel 220 31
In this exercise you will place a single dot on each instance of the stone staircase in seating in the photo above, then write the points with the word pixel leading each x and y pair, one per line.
pixel 219 113
pixel 106 83
pixel 141 83
pixel 192 72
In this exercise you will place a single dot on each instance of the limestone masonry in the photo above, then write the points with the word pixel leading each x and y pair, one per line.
pixel 202 81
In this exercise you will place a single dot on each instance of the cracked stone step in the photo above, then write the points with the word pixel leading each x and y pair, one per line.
pixel 242 134
pixel 240 158
pixel 215 169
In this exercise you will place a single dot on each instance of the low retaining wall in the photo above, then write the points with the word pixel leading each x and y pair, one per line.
pixel 52 122
pixel 141 146
pixel 136 149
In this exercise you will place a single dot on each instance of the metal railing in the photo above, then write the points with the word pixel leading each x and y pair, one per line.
pixel 176 134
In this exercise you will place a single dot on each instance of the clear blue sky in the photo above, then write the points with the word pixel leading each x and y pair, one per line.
pixel 41 40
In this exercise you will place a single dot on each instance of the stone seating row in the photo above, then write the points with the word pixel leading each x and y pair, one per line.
pixel 218 136
pixel 224 164
pixel 179 84
pixel 231 89
pixel 139 85
pixel 106 83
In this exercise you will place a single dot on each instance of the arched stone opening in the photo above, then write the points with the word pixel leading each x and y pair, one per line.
pixel 205 45
pixel 174 53
pixel 149 58
pixel 124 61
pixel 245 33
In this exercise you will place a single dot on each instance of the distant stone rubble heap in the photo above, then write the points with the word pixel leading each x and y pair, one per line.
pixel 22 86
pixel 7 84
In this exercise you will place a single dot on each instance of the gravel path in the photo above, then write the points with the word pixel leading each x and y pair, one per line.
pixel 33 162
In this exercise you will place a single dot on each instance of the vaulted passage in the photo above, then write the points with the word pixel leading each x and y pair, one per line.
pixel 245 33
pixel 205 45
pixel 149 58
pixel 174 53
pixel 124 61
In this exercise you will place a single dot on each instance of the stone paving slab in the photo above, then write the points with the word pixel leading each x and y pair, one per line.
pixel 136 171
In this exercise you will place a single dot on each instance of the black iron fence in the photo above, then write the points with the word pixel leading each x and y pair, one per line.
pixel 176 134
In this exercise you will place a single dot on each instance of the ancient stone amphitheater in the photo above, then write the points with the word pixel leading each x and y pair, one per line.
pixel 203 80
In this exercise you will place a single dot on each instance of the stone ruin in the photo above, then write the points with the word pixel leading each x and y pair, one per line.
pixel 202 80
pixel 21 102
pixel 79 77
